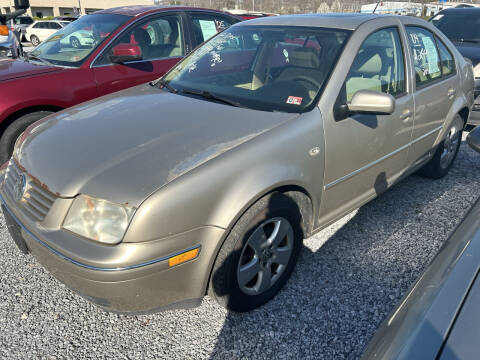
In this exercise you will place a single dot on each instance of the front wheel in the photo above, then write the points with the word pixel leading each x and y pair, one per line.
pixel 259 254
pixel 13 131
pixel 446 152
pixel 74 42
pixel 34 40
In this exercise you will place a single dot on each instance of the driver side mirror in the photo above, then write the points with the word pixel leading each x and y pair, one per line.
pixel 21 4
pixel 364 102
pixel 123 53
pixel 372 102
pixel 473 139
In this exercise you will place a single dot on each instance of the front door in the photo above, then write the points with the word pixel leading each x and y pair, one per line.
pixel 435 81
pixel 366 153
pixel 161 41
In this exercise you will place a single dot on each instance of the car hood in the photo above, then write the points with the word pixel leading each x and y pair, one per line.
pixel 124 146
pixel 469 50
pixel 12 69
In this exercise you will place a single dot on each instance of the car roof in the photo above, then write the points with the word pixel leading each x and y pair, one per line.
pixel 349 21
pixel 463 10
pixel 138 10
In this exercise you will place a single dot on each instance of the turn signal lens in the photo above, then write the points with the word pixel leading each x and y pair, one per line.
pixel 183 257
pixel 3 30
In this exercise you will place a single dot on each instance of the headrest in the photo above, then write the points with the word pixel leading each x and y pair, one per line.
pixel 369 61
pixel 305 57
pixel 142 37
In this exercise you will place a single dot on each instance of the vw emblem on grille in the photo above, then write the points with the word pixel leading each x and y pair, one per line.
pixel 19 187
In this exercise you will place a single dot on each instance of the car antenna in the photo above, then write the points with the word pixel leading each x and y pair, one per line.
pixel 378 2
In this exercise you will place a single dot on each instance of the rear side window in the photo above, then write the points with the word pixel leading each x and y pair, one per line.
pixel 446 58
pixel 426 59
pixel 38 26
pixel 378 66
pixel 207 25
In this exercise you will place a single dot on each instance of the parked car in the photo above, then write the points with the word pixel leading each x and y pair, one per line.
pixel 41 30
pixel 439 317
pixel 19 24
pixel 462 27
pixel 209 179
pixel 130 46
pixel 9 43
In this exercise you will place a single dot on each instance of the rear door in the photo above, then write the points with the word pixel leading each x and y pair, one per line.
pixel 161 39
pixel 366 153
pixel 435 84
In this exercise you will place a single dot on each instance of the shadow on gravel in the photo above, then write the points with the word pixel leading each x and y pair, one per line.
pixel 339 293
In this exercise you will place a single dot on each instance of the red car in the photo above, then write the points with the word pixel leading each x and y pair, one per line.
pixel 95 55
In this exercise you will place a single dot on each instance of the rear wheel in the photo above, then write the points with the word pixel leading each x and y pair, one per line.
pixel 74 42
pixel 34 40
pixel 446 152
pixel 259 254
pixel 13 131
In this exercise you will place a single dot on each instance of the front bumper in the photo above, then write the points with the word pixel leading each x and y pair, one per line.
pixel 474 117
pixel 6 48
pixel 107 275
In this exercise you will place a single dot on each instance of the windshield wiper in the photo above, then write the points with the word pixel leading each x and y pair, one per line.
pixel 165 84
pixel 208 95
pixel 28 56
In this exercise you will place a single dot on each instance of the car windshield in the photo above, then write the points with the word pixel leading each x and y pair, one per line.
pixel 260 67
pixel 23 21
pixel 71 45
pixel 458 27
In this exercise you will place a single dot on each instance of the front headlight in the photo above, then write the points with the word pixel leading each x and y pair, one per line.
pixel 98 219
pixel 476 71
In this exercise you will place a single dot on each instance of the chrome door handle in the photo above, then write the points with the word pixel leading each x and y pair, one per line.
pixel 451 93
pixel 406 114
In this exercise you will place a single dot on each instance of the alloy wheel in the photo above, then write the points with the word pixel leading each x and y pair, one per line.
pixel 450 145
pixel 265 256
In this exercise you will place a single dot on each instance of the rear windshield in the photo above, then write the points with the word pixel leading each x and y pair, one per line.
pixel 261 67
pixel 23 21
pixel 458 27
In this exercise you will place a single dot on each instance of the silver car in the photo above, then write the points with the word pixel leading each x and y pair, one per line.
pixel 208 180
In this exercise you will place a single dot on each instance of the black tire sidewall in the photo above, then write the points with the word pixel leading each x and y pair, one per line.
pixel 13 131
pixel 433 169
pixel 224 284
pixel 34 40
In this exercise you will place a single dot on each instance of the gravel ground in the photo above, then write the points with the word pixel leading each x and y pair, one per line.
pixel 349 277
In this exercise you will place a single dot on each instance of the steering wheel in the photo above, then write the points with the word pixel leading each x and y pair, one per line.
pixel 307 79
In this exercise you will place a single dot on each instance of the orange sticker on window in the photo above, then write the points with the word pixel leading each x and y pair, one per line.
pixel 294 100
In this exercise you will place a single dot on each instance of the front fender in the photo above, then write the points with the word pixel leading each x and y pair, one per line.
pixel 219 191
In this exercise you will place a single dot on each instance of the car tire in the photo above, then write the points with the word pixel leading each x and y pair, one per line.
pixel 446 152
pixel 13 131
pixel 34 40
pixel 74 42
pixel 251 251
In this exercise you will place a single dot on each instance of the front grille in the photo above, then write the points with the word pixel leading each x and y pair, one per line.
pixel 36 201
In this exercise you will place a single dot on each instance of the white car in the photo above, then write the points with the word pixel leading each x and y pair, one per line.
pixel 78 39
pixel 41 30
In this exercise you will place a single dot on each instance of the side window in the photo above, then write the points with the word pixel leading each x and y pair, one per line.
pixel 38 26
pixel 55 26
pixel 157 38
pixel 205 26
pixel 378 66
pixel 426 59
pixel 446 58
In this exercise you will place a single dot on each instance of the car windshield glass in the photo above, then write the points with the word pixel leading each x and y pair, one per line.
pixel 71 45
pixel 23 21
pixel 260 67
pixel 458 27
